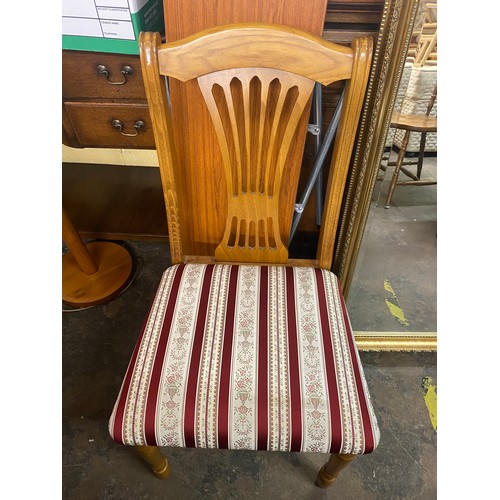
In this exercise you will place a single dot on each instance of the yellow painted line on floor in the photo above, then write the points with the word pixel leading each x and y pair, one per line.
pixel 393 305
pixel 397 312
pixel 388 287
pixel 430 398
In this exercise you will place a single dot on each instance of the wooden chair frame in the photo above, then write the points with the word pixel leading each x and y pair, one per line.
pixel 255 56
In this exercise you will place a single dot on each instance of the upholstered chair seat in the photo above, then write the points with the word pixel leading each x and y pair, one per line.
pixel 247 357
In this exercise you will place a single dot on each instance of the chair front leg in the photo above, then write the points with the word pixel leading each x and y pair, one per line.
pixel 329 472
pixel 157 462
pixel 397 168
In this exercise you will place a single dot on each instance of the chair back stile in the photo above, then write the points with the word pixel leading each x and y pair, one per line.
pixel 161 120
pixel 256 80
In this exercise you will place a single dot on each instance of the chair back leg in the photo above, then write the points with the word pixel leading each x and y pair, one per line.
pixel 421 154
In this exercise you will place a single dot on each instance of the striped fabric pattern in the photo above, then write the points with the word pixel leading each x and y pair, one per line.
pixel 246 357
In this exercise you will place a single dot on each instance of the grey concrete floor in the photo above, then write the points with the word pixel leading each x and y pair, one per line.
pixel 399 248
pixel 397 261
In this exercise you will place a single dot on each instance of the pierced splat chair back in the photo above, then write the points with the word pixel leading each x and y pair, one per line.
pixel 257 81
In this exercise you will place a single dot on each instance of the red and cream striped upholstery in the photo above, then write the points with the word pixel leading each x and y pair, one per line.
pixel 246 357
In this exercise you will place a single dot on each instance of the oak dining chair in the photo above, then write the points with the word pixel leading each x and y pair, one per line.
pixel 411 122
pixel 247 348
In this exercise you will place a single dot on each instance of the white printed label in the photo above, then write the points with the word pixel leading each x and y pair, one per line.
pixel 118 29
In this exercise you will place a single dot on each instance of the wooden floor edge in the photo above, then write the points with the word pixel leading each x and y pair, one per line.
pixel 396 341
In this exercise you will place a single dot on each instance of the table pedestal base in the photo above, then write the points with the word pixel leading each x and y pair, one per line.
pixel 114 271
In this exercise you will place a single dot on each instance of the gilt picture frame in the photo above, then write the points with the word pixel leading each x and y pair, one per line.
pixel 391 48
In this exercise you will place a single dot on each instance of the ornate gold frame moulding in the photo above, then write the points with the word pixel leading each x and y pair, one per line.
pixel 396 341
pixel 391 48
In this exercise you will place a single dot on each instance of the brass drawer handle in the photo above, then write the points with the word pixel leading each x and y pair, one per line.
pixel 126 70
pixel 138 125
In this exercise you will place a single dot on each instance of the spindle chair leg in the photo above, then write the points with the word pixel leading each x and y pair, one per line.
pixel 329 472
pixel 397 168
pixel 421 153
pixel 157 462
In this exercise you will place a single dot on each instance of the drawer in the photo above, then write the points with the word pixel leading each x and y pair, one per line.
pixel 82 78
pixel 92 123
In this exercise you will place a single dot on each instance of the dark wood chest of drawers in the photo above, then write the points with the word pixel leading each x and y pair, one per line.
pixel 104 102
